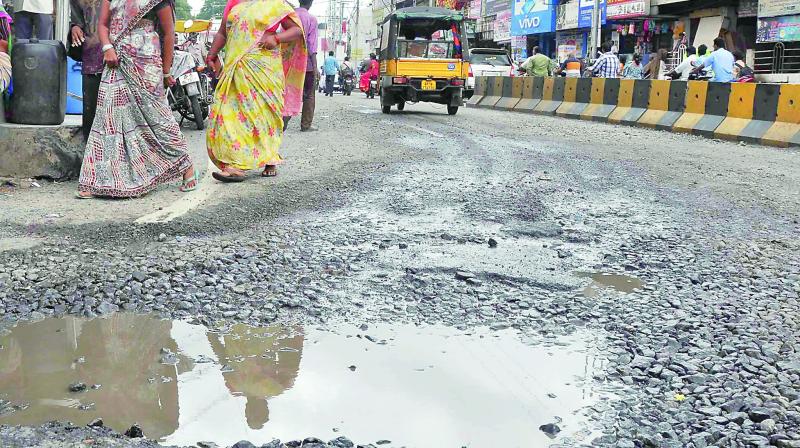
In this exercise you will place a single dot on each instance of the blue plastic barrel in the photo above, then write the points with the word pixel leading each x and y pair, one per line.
pixel 74 88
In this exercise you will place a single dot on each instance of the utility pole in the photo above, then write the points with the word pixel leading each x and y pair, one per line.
pixel 594 39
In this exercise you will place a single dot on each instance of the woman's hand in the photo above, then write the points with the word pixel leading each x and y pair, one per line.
pixel 268 41
pixel 110 58
pixel 169 81
pixel 77 36
pixel 213 62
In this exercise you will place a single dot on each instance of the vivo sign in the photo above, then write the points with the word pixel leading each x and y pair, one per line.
pixel 532 17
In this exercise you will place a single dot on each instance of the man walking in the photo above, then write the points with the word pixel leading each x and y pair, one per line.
pixel 309 23
pixel 607 65
pixel 331 68
pixel 30 14
pixel 536 65
pixel 720 61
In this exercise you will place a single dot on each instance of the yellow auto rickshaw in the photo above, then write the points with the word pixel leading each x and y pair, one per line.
pixel 424 57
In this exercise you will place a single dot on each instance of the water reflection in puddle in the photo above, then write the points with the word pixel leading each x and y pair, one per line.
pixel 416 386
pixel 600 281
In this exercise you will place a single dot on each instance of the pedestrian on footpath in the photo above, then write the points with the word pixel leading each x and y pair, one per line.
pixel 607 66
pixel 309 80
pixel 135 143
pixel 34 14
pixel 720 61
pixel 536 65
pixel 331 68
pixel 84 15
pixel 262 82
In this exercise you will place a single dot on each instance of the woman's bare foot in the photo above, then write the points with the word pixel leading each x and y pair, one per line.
pixel 83 195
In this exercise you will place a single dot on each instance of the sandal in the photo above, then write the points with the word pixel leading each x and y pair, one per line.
pixel 270 171
pixel 227 178
pixel 81 196
pixel 195 178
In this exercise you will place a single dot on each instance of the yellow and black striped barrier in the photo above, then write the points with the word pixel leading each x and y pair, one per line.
pixel 762 113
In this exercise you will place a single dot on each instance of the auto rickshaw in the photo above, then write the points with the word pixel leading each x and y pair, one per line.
pixel 424 57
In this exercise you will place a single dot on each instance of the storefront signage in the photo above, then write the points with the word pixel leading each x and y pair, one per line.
pixel 502 27
pixel 519 48
pixel 585 13
pixel 772 8
pixel 474 11
pixel 567 15
pixel 747 8
pixel 624 9
pixel 778 29
pixel 570 43
pixel 495 6
pixel 533 17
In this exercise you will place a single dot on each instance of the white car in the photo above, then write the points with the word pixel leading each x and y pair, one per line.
pixel 488 62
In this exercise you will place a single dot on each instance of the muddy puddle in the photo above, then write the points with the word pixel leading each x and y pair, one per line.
pixel 414 386
pixel 624 284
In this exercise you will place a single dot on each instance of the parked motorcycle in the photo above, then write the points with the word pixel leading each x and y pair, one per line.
pixel 191 96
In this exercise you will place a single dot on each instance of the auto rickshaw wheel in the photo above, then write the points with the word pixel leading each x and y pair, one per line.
pixel 451 110
pixel 386 109
pixel 401 105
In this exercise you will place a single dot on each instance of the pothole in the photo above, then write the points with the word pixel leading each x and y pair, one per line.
pixel 604 281
pixel 416 386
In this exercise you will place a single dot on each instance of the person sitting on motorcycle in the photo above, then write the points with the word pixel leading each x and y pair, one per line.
pixel 372 72
pixel 346 69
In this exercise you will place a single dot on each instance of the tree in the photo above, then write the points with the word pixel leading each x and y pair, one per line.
pixel 212 9
pixel 182 10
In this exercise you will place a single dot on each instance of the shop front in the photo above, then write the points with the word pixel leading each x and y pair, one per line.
pixel 537 21
pixel 778 38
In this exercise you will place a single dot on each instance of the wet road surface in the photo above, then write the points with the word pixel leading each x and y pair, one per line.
pixel 669 260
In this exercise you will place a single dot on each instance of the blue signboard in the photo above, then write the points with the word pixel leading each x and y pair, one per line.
pixel 585 13
pixel 533 17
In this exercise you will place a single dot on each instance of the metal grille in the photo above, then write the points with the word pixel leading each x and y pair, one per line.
pixel 779 57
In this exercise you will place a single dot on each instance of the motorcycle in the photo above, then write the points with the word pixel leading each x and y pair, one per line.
pixel 191 96
pixel 348 85
pixel 373 88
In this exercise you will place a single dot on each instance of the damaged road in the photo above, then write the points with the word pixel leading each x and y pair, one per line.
pixel 676 257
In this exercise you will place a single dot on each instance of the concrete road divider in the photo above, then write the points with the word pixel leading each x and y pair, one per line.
pixel 632 103
pixel 480 91
pixel 532 89
pixel 512 93
pixel 603 101
pixel 666 104
pixel 552 96
pixel 577 94
pixel 765 113
pixel 494 91
pixel 706 108
pixel 786 129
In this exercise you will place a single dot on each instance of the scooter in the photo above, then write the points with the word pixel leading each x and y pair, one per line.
pixel 373 88
pixel 191 95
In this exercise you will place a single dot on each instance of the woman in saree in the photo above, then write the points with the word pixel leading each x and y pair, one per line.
pixel 262 82
pixel 135 143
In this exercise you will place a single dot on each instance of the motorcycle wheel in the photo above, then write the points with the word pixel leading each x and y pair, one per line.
pixel 197 111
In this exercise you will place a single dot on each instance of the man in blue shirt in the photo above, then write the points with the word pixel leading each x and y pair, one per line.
pixel 720 61
pixel 330 68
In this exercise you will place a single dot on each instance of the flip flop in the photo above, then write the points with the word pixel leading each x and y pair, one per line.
pixel 270 173
pixel 196 178
pixel 227 179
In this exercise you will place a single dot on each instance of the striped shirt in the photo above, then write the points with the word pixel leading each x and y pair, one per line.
pixel 607 66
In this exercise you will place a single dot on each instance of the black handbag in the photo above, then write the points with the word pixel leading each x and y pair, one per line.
pixel 75 53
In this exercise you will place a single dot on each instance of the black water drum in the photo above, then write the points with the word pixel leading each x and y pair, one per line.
pixel 39 74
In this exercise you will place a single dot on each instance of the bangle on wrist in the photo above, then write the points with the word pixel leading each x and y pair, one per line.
pixel 277 39
pixel 166 75
pixel 107 47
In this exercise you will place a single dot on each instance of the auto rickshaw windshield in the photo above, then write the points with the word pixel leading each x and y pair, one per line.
pixel 429 39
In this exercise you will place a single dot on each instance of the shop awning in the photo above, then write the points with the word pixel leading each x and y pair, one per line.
pixel 707 31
